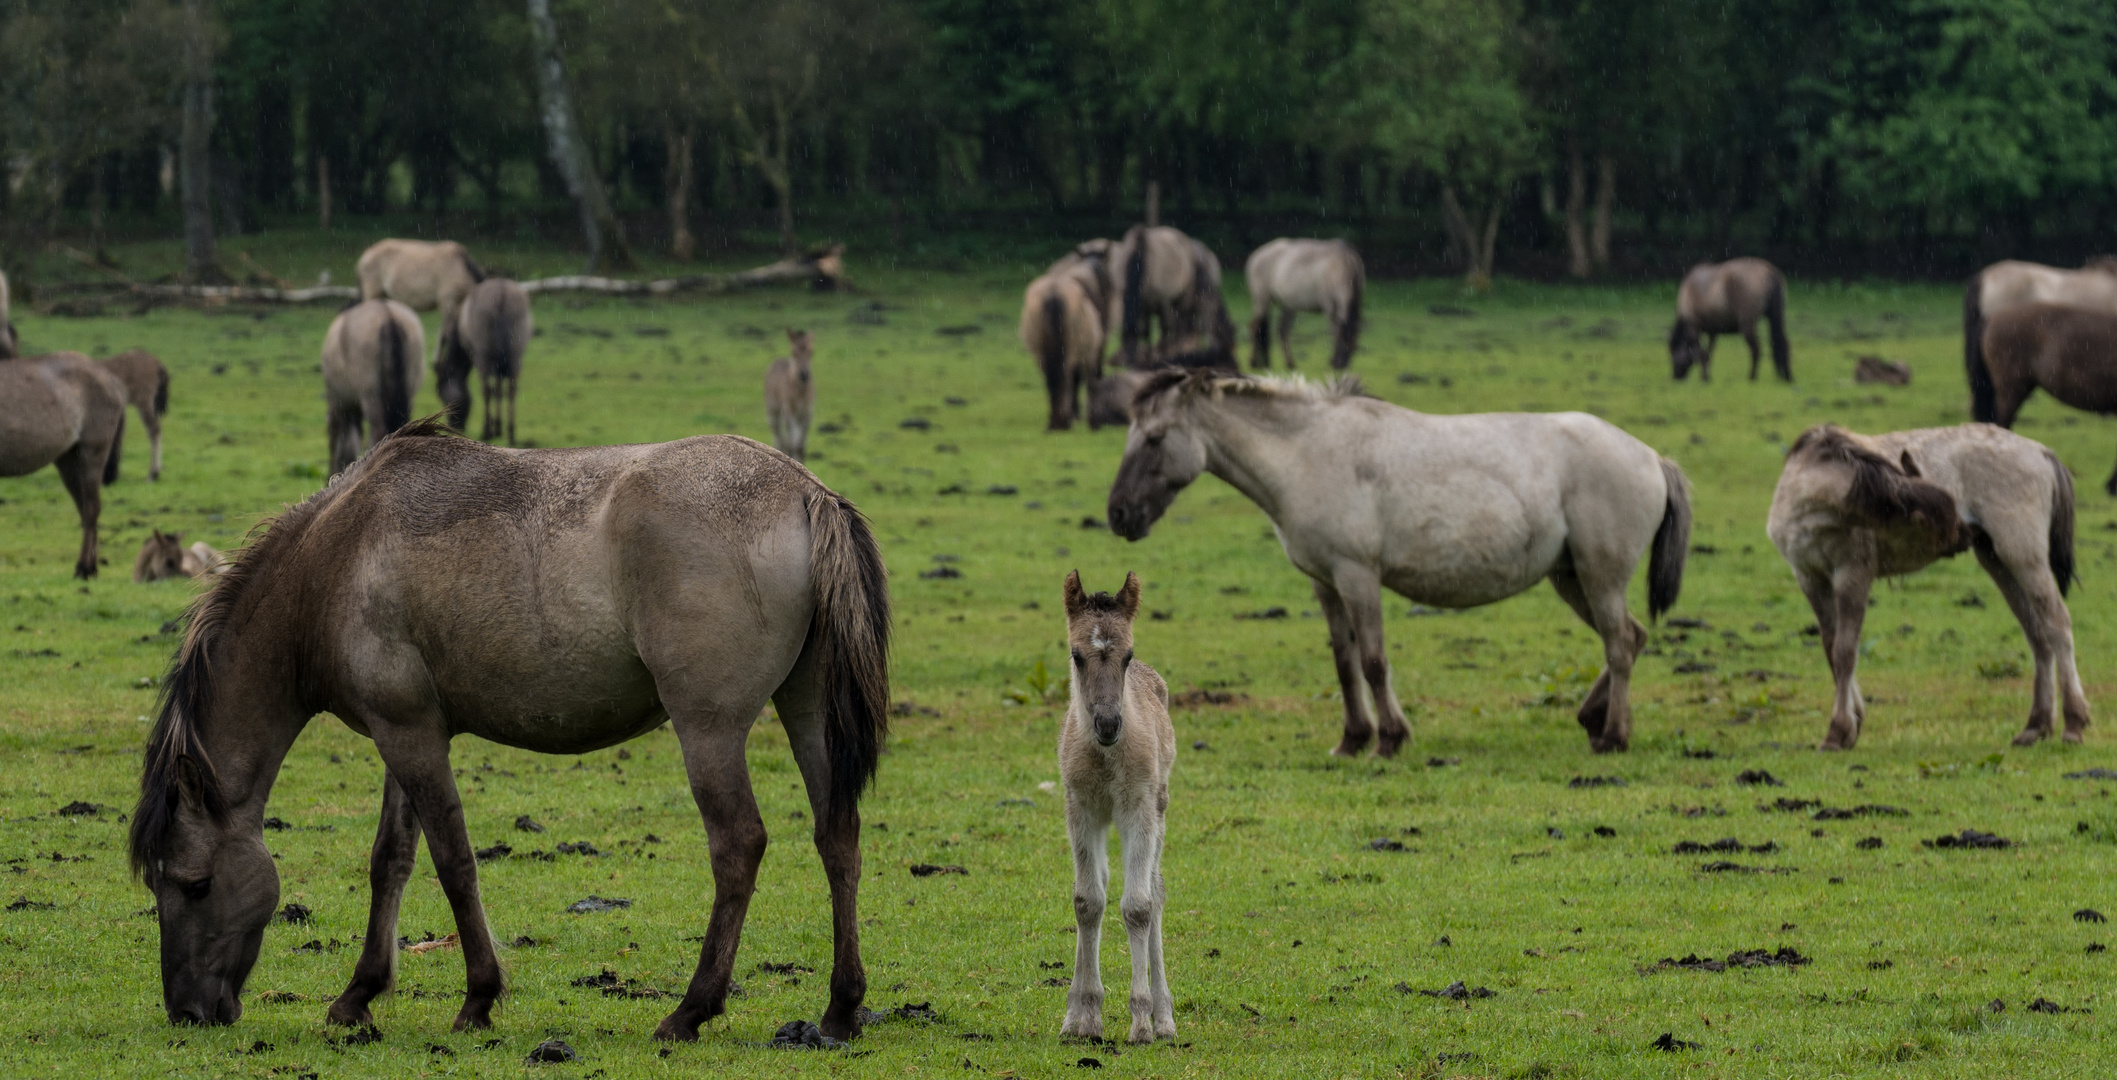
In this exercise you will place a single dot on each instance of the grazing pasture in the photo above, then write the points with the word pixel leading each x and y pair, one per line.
pixel 1316 901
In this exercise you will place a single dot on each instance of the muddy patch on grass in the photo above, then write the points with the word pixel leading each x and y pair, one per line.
pixel 1726 845
pixel 78 808
pixel 801 1035
pixel 552 1052
pixel 1192 699
pixel 1758 778
pixel 1455 991
pixel 1669 1043
pixel 611 985
pixel 597 903
pixel 1830 813
pixel 922 1012
pixel 1968 838
pixel 931 869
pixel 1580 782
pixel 1784 956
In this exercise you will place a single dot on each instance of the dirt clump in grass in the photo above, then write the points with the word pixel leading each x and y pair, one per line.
pixel 1725 845
pixel 931 869
pixel 1785 956
pixel 1580 782
pixel 1968 838
pixel 1455 991
pixel 552 1052
pixel 611 985
pixel 802 1035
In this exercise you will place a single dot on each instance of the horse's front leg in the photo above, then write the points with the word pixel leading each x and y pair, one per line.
pixel 1088 831
pixel 720 784
pixel 1153 1015
pixel 82 473
pixel 1705 358
pixel 1749 336
pixel 1260 335
pixel 1360 593
pixel 837 835
pixel 415 751
pixel 1849 586
pixel 1357 728
pixel 389 867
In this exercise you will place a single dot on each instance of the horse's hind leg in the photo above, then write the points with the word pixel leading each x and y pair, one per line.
pixel 1357 728
pixel 82 472
pixel 800 701
pixel 1286 335
pixel 1595 708
pixel 389 867
pixel 2049 630
pixel 1839 601
pixel 720 784
pixel 1749 337
pixel 1260 334
pixel 1599 598
pixel 153 422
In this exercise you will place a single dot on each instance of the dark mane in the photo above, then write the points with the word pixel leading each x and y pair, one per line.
pixel 187 691
pixel 1883 489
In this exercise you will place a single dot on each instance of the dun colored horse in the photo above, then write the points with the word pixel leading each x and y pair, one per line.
pixel 147 387
pixel 1116 748
pixel 422 275
pixel 1305 275
pixel 1729 298
pixel 726 576
pixel 65 410
pixel 1452 511
pixel 372 363
pixel 1169 278
pixel 2069 351
pixel 163 555
pixel 790 395
pixel 1852 508
pixel 2007 284
pixel 1063 327
pixel 492 331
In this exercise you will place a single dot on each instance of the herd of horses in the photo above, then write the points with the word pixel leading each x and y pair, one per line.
pixel 729 576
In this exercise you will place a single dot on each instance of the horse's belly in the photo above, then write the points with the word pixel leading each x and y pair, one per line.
pixel 592 701
pixel 1484 550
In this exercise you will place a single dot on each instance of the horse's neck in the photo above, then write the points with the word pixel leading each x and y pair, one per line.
pixel 1255 453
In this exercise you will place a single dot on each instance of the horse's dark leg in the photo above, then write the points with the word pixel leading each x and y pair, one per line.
pixel 513 381
pixel 1361 594
pixel 389 867
pixel 720 783
pixel 81 471
pixel 1749 337
pixel 1705 358
pixel 153 422
pixel 800 702
pixel 1357 728
pixel 1260 334
pixel 1595 708
pixel 2109 487
pixel 415 750
pixel 1286 335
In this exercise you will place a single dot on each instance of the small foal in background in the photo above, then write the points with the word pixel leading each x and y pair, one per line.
pixel 1116 747
pixel 790 395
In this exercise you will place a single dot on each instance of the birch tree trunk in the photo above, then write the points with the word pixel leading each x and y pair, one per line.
pixel 1577 262
pixel 682 245
pixel 194 151
pixel 569 152
pixel 1605 198
pixel 1476 245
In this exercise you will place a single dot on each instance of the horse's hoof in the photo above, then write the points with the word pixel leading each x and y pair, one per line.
pixel 474 1017
pixel 2076 736
pixel 673 1030
pixel 342 1014
pixel 1348 748
pixel 1609 746
pixel 841 1028
pixel 1388 746
pixel 2030 737
pixel 1091 1030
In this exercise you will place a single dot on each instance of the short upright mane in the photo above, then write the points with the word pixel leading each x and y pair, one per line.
pixel 1280 387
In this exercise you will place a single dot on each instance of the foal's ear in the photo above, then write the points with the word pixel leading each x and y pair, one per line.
pixel 1128 597
pixel 1911 468
pixel 1076 599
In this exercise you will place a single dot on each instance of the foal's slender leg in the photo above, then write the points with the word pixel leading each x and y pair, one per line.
pixel 1153 1014
pixel 1286 335
pixel 1847 597
pixel 1357 728
pixel 389 867
pixel 2036 620
pixel 720 784
pixel 1361 594
pixel 1088 828
pixel 800 702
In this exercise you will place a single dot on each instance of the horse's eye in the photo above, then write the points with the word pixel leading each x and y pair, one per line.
pixel 1153 440
pixel 1078 659
pixel 197 890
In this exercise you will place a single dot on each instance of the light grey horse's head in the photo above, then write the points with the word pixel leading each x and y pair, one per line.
pixel 1163 453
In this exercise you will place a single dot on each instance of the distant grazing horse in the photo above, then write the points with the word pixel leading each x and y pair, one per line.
pixel 1172 279
pixel 2069 351
pixel 790 395
pixel 437 589
pixel 1852 508
pixel 492 331
pixel 147 387
pixel 1063 327
pixel 2003 285
pixel 65 410
pixel 373 359
pixel 1305 275
pixel 1453 511
pixel 9 344
pixel 163 555
pixel 1729 298
pixel 1116 748
pixel 422 275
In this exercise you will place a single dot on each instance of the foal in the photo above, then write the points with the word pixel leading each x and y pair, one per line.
pixel 1116 747
pixel 790 395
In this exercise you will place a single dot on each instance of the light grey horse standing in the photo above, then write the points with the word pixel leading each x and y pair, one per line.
pixel 1453 511
pixel 373 361
pixel 1305 275
pixel 65 410
pixel 1729 298
pixel 492 332
pixel 1852 508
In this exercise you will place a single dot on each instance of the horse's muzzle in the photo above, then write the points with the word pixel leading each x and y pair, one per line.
pixel 206 1011
pixel 1108 728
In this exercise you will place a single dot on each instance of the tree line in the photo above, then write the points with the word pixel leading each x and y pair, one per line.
pixel 1578 136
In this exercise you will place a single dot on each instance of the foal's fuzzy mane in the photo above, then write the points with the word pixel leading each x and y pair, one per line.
pixel 1881 488
pixel 1276 387
pixel 187 691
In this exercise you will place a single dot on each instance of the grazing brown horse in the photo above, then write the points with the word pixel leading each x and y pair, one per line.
pixel 1305 275
pixel 492 331
pixel 436 589
pixel 147 387
pixel 163 555
pixel 2069 351
pixel 1063 327
pixel 1729 298
pixel 372 364
pixel 790 395
pixel 1169 278
pixel 2010 282
pixel 65 410
pixel 1853 508
pixel 423 275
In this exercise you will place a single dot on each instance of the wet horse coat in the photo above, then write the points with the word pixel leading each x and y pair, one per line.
pixel 64 410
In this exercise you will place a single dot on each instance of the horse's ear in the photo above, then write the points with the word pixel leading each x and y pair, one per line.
pixel 1911 468
pixel 1128 597
pixel 1076 599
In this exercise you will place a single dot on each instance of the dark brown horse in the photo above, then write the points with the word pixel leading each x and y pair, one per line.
pixel 2069 351
pixel 64 410
pixel 435 589
pixel 1729 298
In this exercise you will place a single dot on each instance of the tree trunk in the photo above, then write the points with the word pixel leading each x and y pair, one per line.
pixel 323 193
pixel 1153 204
pixel 782 178
pixel 682 245
pixel 1474 245
pixel 569 152
pixel 194 153
pixel 1605 198
pixel 1460 236
pixel 1483 279
pixel 1577 262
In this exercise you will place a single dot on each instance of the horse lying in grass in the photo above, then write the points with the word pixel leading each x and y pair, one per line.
pixel 1116 747
pixel 1729 298
pixel 2069 351
pixel 2012 282
pixel 147 387
pixel 1169 278
pixel 1305 275
pixel 1063 327
pixel 373 358
pixel 726 576
pixel 163 555
pixel 790 395
pixel 1451 511
pixel 64 410
pixel 492 331
pixel 1851 508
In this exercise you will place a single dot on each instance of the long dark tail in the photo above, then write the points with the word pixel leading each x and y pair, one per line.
pixel 1349 329
pixel 471 267
pixel 1052 358
pixel 852 629
pixel 1134 317
pixel 2062 563
pixel 396 389
pixel 506 352
pixel 1775 310
pixel 1672 544
pixel 161 391
pixel 117 450
pixel 1984 396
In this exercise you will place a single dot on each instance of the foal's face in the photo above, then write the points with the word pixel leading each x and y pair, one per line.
pixel 1099 629
pixel 1162 456
pixel 162 556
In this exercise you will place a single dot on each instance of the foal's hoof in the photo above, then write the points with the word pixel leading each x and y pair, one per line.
pixel 1347 747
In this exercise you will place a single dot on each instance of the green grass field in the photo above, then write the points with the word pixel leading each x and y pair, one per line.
pixel 1293 947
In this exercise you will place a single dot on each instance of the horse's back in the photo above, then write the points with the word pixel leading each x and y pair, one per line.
pixel 421 273
pixel 2002 482
pixel 355 348
pixel 2069 351
pixel 2013 282
pixel 53 402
